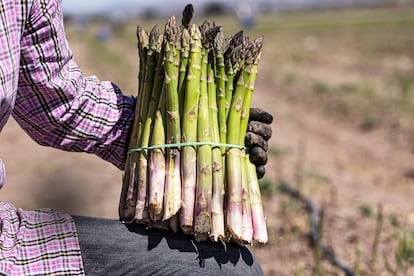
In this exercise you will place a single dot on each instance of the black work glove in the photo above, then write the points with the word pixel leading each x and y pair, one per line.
pixel 258 133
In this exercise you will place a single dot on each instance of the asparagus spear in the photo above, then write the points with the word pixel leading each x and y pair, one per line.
pixel 157 170
pixel 155 124
pixel 153 52
pixel 188 13
pixel 258 218
pixel 253 54
pixel 172 60
pixel 129 186
pixel 249 73
pixel 202 216
pixel 172 222
pixel 247 226
pixel 257 214
pixel 233 162
pixel 185 51
pixel 221 86
pixel 220 77
pixel 233 46
pixel 143 47
pixel 184 55
pixel 189 131
pixel 217 211
pixel 149 104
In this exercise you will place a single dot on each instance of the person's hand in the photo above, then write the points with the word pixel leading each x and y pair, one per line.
pixel 258 133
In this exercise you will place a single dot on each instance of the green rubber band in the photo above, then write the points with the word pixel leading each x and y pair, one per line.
pixel 176 145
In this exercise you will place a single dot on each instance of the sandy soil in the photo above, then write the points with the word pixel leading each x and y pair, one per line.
pixel 358 169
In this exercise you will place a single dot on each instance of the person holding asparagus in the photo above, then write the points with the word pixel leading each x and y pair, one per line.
pixel 45 91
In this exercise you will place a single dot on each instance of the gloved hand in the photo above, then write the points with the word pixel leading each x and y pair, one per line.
pixel 258 133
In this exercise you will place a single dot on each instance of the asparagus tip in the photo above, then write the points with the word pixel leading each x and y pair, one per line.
pixel 188 13
pixel 142 36
pixel 172 31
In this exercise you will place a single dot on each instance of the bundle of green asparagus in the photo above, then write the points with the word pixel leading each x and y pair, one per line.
pixel 187 169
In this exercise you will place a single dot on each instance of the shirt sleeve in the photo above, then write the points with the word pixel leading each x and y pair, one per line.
pixel 58 106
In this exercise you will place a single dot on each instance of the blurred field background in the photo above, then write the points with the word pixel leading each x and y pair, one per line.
pixel 340 84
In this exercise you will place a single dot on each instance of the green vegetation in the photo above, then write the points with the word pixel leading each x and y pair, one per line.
pixel 367 210
pixel 404 255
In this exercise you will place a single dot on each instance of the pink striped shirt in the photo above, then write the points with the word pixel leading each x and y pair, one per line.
pixel 45 91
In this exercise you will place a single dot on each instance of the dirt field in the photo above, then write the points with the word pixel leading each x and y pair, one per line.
pixel 336 83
